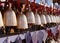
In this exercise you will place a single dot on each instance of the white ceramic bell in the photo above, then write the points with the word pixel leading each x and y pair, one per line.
pixel 43 19
pixel 30 17
pixel 52 19
pixel 48 19
pixel 37 19
pixel 10 18
pixel 22 21
pixel 1 20
pixel 59 18
pixel 56 19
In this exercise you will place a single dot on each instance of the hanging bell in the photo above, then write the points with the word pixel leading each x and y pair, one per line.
pixel 22 21
pixel 30 17
pixel 52 20
pixel 56 19
pixel 59 19
pixel 1 24
pixel 43 19
pixel 22 24
pixel 10 17
pixel 1 20
pixel 37 19
pixel 10 20
pixel 48 19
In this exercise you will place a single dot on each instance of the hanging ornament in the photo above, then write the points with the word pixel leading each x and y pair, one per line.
pixel 37 19
pixel 10 17
pixel 22 21
pixel 1 20
pixel 43 19
pixel 48 15
pixel 30 15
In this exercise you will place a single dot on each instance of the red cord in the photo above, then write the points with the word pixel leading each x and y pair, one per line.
pixel 18 2
pixel 0 3
pixel 33 6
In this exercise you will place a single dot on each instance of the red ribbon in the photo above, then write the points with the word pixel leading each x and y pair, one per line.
pixel 33 5
pixel 55 11
pixel 18 2
pixel 41 7
pixel 27 3
pixel 0 3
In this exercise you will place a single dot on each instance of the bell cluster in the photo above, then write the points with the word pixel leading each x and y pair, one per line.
pixel 15 19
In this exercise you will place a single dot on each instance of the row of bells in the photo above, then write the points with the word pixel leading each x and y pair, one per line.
pixel 9 18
